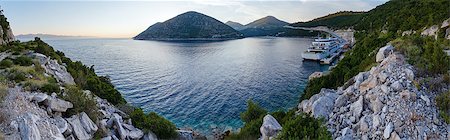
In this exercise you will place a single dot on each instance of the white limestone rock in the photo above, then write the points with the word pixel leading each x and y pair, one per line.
pixel 270 127
pixel 383 52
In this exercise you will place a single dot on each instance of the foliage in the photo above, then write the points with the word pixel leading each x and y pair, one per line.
pixel 443 103
pixel 6 63
pixel 253 119
pixel 163 128
pixel 254 111
pixel 23 61
pixel 3 89
pixel 50 88
pixel 339 20
pixel 303 126
pixel 16 75
pixel 81 102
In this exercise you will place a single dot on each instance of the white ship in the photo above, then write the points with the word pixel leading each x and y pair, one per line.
pixel 323 49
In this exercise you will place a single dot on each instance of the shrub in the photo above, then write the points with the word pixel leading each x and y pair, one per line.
pixel 163 128
pixel 304 127
pixel 31 86
pixel 443 103
pixel 253 119
pixel 23 61
pixel 17 76
pixel 5 64
pixel 81 103
pixel 50 88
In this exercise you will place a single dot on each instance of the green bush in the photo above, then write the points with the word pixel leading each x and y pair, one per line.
pixel 253 119
pixel 17 76
pixel 254 111
pixel 81 103
pixel 5 64
pixel 304 127
pixel 50 88
pixel 163 128
pixel 443 103
pixel 23 61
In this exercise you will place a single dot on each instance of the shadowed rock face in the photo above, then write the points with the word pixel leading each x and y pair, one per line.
pixel 6 34
pixel 189 26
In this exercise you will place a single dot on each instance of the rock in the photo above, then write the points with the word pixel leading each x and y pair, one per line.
pixel 150 136
pixel 117 123
pixel 384 52
pixel 394 136
pixel 426 99
pixel 40 57
pixel 341 100
pixel 28 128
pixel 270 127
pixel 382 77
pixel 185 135
pixel 376 105
pixel 445 23
pixel 323 106
pixel 432 31
pixel 58 105
pixel 384 89
pixel 347 134
pixel 61 123
pixel 409 74
pixel 134 133
pixel 78 128
pixel 397 86
pixel 87 123
pixel 376 121
pixel 59 72
pixel 107 138
pixel 315 75
pixel 39 97
pixel 405 94
pixel 363 125
pixel 368 84
pixel 357 107
pixel 388 130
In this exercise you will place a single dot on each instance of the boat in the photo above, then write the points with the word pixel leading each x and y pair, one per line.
pixel 323 49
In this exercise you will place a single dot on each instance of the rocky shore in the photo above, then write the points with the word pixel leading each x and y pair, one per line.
pixel 383 103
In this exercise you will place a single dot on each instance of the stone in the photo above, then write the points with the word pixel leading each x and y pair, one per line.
pixel 382 77
pixel 185 135
pixel 27 127
pixel 383 52
pixel 363 125
pixel 117 123
pixel 445 23
pixel 315 75
pixel 376 105
pixel 323 106
pixel 347 134
pixel 39 97
pixel 397 86
pixel 426 99
pixel 341 100
pixel 270 127
pixel 106 138
pixel 87 123
pixel 134 133
pixel 58 105
pixel 409 74
pixel 59 72
pixel 78 128
pixel 61 123
pixel 384 89
pixel 394 136
pixel 387 131
pixel 368 84
pixel 405 94
pixel 357 107
pixel 150 136
pixel 376 121
pixel 432 31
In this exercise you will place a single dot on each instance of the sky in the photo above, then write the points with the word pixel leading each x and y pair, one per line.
pixel 125 19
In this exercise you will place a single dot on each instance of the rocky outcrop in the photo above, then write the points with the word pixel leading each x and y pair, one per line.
pixel 384 52
pixel 270 128
pixel 431 31
pixel 315 75
pixel 59 72
pixel 6 34
pixel 382 103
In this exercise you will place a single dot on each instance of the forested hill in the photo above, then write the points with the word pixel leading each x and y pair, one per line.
pixel 339 20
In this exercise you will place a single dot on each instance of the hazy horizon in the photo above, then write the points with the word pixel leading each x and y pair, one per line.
pixel 125 19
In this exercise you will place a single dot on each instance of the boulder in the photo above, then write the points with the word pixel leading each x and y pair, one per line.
pixel 40 57
pixel 78 128
pixel 426 99
pixel 150 136
pixel 40 97
pixel 357 107
pixel 347 134
pixel 397 86
pixel 363 125
pixel 118 124
pixel 87 123
pixel 341 100
pixel 376 105
pixel 134 133
pixel 58 105
pixel 27 127
pixel 394 136
pixel 432 31
pixel 387 131
pixel 384 52
pixel 59 72
pixel 315 75
pixel 445 23
pixel 270 127
pixel 61 123
pixel 376 121
pixel 185 135
pixel 323 106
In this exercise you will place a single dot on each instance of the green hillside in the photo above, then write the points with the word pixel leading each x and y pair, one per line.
pixel 337 20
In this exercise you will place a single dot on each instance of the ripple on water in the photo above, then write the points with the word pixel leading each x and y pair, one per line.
pixel 199 85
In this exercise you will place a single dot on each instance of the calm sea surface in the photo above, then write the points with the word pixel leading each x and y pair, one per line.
pixel 199 85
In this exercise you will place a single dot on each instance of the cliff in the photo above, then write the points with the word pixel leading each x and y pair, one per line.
pixel 6 34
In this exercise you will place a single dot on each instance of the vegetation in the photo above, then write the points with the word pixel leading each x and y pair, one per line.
pixel 163 128
pixel 443 103
pixel 339 20
pixel 81 103
pixel 23 61
pixel 294 126
pixel 6 63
